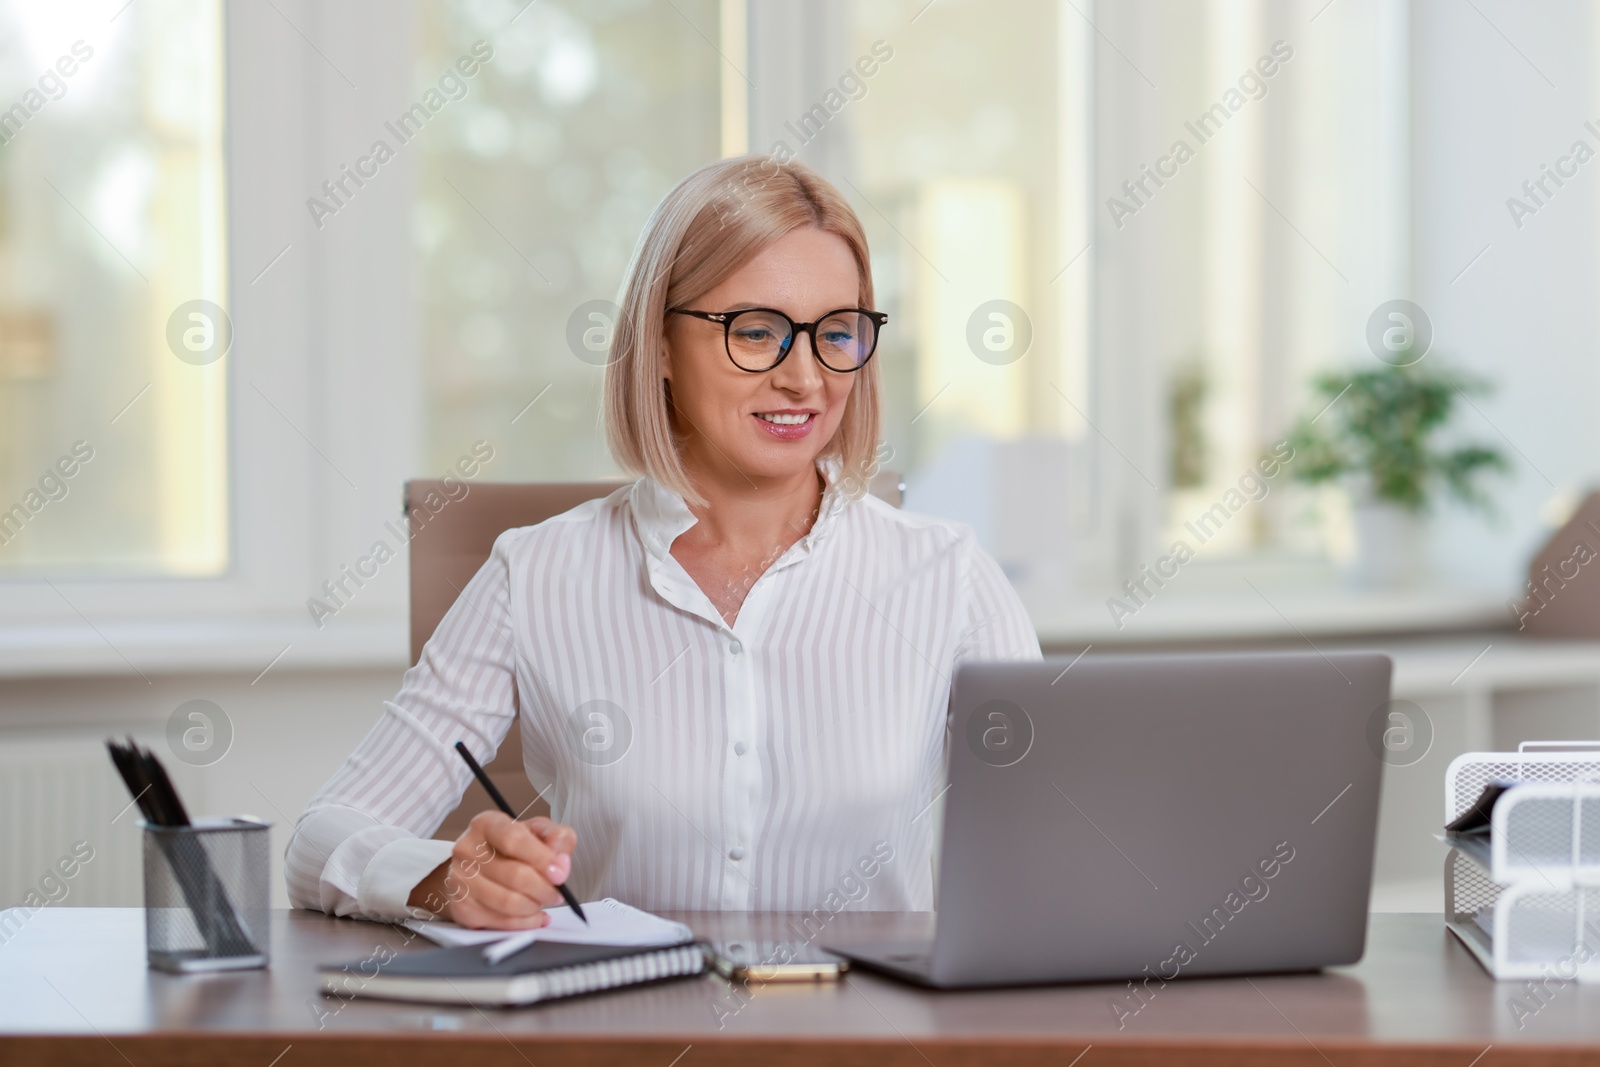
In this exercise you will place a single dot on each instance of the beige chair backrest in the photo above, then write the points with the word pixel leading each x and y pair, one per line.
pixel 449 544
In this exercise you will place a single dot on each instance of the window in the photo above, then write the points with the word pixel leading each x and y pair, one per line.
pixel 1079 358
pixel 531 195
pixel 960 132
pixel 113 271
pixel 1096 333
pixel 1075 369
pixel 1260 255
pixel 973 191
pixel 961 138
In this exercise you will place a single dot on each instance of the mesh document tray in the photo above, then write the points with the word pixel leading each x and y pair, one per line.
pixel 1526 902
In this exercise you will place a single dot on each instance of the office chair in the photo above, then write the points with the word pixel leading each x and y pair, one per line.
pixel 446 551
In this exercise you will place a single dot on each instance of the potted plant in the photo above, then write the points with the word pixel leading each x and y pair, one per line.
pixel 1378 432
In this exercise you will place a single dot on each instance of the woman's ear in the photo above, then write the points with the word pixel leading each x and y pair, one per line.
pixel 664 360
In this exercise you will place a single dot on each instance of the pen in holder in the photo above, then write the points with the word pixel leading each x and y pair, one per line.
pixel 206 894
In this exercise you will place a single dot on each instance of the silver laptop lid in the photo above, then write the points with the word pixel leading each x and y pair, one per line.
pixel 1159 814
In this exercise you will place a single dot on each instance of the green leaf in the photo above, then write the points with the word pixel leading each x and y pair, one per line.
pixel 1379 429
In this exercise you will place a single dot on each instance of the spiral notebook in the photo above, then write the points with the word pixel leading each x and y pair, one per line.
pixel 545 970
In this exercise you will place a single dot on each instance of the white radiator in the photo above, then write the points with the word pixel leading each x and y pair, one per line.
pixel 64 808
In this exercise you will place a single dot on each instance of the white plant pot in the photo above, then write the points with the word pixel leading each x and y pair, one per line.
pixel 1391 548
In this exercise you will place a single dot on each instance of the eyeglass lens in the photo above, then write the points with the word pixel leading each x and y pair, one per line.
pixel 758 339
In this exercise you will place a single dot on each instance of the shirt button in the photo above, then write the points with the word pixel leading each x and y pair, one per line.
pixel 740 748
pixel 736 853
pixel 735 647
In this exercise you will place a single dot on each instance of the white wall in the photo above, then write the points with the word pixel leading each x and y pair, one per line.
pixel 291 731
pixel 1524 315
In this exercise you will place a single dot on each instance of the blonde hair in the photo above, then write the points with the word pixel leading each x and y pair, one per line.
pixel 712 223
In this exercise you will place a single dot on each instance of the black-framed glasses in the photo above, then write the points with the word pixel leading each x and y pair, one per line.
pixel 758 339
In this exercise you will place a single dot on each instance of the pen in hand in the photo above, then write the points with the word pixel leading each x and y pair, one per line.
pixel 500 802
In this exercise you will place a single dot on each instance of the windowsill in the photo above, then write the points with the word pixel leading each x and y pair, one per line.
pixel 1488 662
pixel 1065 622
pixel 1064 625
pixel 200 645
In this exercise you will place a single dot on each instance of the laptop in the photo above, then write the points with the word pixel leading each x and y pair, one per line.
pixel 1151 817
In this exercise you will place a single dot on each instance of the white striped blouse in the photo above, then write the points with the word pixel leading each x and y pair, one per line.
pixel 786 763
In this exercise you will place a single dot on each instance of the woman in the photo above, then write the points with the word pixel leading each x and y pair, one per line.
pixel 765 650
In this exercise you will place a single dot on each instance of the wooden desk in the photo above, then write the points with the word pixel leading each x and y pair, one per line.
pixel 74 989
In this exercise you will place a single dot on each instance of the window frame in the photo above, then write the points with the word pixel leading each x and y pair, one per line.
pixel 325 350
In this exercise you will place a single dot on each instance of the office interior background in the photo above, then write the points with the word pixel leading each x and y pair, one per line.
pixel 242 326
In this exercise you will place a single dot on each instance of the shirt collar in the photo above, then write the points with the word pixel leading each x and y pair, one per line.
pixel 662 515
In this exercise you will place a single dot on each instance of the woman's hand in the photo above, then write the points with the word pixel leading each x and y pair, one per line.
pixel 502 874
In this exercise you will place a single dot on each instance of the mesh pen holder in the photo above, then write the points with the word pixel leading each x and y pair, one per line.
pixel 206 889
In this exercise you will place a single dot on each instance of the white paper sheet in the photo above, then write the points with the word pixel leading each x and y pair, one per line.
pixel 450 935
pixel 611 922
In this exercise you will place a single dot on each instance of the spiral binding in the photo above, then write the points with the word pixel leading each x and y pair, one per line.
pixel 608 974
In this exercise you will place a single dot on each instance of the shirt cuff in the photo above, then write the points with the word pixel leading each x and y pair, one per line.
pixel 393 872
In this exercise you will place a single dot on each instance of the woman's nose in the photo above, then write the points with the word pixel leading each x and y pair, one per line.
pixel 799 372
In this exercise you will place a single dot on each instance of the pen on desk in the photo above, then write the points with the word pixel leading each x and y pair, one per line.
pixel 500 802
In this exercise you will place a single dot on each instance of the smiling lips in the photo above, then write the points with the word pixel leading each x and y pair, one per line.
pixel 788 425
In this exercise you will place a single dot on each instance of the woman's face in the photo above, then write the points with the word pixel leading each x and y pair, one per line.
pixel 728 417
